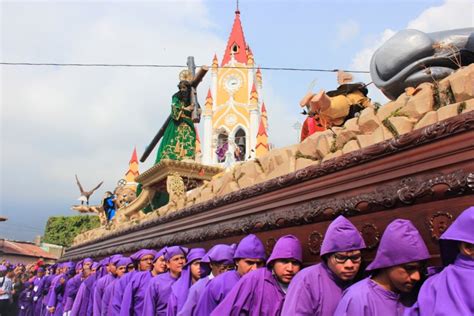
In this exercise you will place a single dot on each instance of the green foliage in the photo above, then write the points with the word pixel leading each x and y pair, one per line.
pixel 61 230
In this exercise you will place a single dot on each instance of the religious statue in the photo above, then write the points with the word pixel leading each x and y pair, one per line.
pixel 179 139
pixel 85 195
pixel 109 205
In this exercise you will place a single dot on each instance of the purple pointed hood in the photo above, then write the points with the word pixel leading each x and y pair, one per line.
pixel 462 229
pixel 287 247
pixel 3 268
pixel 141 253
pixel 341 235
pixel 123 261
pixel 220 253
pixel 194 254
pixel 250 247
pixel 160 253
pixel 401 243
pixel 175 250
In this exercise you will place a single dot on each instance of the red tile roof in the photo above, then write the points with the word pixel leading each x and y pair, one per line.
pixel 24 249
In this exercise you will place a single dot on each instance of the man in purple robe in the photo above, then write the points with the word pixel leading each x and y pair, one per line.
pixel 83 305
pixel 219 259
pixel 249 255
pixel 73 283
pixel 159 288
pixel 395 270
pixel 25 301
pixel 55 302
pixel 143 261
pixel 54 277
pixel 51 273
pixel 108 266
pixel 190 275
pixel 262 292
pixel 317 290
pixel 121 268
pixel 451 292
pixel 38 285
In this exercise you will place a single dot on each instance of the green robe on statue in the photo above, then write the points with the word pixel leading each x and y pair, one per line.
pixel 179 139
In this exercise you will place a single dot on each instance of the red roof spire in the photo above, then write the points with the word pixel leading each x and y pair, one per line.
pixel 236 44
pixel 134 156
pixel 264 109
pixel 209 95
pixel 261 128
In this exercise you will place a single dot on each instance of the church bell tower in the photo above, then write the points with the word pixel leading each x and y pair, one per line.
pixel 232 113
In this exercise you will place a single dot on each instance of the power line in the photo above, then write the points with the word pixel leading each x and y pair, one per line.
pixel 175 66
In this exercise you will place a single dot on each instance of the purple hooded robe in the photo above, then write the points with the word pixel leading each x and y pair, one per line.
pixel 83 302
pixel 25 300
pixel 123 282
pixel 159 288
pixel 259 293
pixel 102 282
pixel 110 289
pixel 219 253
pixel 316 290
pixel 70 291
pixel 401 243
pixel 38 285
pixel 56 295
pixel 180 289
pixel 217 289
pixel 450 292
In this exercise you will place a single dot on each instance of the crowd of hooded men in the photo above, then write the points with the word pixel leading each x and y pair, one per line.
pixel 240 280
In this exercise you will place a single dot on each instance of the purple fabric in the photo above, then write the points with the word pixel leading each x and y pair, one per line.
pixel 157 295
pixel 99 290
pixel 25 300
pixel 46 288
pixel 134 294
pixel 141 253
pixel 341 235
pixel 56 295
pixel 315 290
pixel 170 252
pixel 160 253
pixel 180 289
pixel 123 261
pixel 83 303
pixel 38 286
pixel 3 268
pixel 401 243
pixel 70 291
pixel 220 253
pixel 287 247
pixel 250 247
pixel 215 291
pixel 257 293
pixel 461 230
pixel 448 293
pixel 194 295
pixel 368 298
pixel 121 284
pixel 106 298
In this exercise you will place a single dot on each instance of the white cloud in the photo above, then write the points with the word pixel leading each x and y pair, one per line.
pixel 451 14
pixel 346 31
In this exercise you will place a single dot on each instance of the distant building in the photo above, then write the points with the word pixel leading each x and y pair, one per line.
pixel 28 252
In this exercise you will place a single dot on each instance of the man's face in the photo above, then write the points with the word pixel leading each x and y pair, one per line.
pixel 467 249
pixel 286 269
pixel 345 264
pixel 130 268
pixel 176 263
pixel 86 265
pixel 120 271
pixel 40 274
pixel 221 267
pixel 246 265
pixel 146 263
pixel 160 265
pixel 112 268
pixel 196 270
pixel 403 278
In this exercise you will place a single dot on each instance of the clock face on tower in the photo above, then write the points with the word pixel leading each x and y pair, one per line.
pixel 232 83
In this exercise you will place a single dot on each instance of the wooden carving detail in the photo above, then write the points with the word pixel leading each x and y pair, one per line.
pixel 269 245
pixel 407 191
pixel 439 223
pixel 371 235
pixel 315 240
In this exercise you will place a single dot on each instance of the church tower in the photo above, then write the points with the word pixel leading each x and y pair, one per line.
pixel 233 108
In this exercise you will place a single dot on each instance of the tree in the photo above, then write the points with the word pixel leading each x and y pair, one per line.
pixel 61 230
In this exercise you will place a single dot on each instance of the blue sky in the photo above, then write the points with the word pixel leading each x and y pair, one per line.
pixel 56 122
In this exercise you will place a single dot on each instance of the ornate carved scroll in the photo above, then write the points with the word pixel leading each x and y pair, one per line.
pixel 439 223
